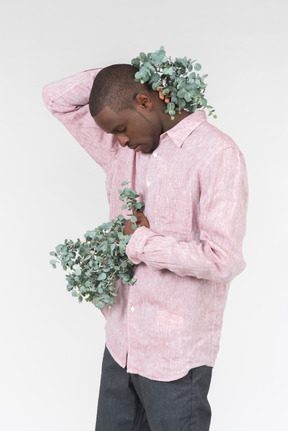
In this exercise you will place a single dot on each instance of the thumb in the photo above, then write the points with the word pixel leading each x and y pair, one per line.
pixel 135 212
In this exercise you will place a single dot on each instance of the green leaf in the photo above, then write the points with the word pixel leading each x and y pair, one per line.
pixel 143 56
pixel 139 205
pixel 133 219
pixel 187 97
pixel 102 276
pixel 124 207
pixel 59 248
pixel 170 106
pixel 181 93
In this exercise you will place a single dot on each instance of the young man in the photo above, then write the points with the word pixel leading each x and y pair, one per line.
pixel 162 335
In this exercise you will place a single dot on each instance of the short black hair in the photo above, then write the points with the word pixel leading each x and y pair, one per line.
pixel 115 86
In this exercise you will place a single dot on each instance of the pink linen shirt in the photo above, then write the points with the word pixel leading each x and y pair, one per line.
pixel 194 186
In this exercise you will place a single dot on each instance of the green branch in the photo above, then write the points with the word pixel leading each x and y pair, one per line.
pixel 98 262
pixel 179 81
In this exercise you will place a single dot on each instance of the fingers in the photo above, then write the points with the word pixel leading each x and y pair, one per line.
pixel 141 218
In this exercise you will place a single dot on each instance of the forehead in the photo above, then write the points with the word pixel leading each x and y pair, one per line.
pixel 109 120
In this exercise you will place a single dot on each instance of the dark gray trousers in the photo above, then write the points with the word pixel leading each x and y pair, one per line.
pixel 129 402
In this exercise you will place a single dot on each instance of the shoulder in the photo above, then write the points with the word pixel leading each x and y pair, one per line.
pixel 207 147
pixel 212 138
pixel 206 141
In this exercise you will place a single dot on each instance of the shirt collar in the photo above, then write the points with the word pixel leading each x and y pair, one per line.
pixel 185 127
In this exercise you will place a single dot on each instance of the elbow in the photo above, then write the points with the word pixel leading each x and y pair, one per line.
pixel 229 269
pixel 46 96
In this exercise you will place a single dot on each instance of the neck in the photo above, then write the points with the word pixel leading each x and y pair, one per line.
pixel 160 107
pixel 168 123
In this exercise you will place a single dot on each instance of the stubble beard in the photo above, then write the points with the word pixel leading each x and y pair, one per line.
pixel 154 132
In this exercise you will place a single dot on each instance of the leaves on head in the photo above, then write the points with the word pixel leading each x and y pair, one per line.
pixel 179 80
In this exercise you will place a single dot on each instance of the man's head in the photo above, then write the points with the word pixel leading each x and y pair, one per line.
pixel 130 110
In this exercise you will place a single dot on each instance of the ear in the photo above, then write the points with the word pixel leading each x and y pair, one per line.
pixel 144 101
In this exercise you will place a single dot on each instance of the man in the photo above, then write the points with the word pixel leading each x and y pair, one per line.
pixel 162 335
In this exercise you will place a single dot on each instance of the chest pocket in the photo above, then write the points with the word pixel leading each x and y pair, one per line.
pixel 173 212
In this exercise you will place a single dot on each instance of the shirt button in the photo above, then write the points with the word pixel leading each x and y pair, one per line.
pixel 148 183
pixel 132 308
pixel 155 154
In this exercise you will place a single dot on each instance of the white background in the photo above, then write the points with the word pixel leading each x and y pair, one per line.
pixel 51 347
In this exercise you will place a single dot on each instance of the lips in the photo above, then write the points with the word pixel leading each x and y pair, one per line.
pixel 135 148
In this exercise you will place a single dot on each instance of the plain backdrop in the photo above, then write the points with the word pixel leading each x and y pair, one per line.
pixel 51 189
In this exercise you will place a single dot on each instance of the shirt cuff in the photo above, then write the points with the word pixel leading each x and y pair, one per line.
pixel 135 246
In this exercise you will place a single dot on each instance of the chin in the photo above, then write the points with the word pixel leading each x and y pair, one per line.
pixel 147 150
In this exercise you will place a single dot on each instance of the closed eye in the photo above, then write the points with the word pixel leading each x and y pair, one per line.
pixel 118 130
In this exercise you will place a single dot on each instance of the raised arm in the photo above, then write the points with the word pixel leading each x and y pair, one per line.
pixel 67 100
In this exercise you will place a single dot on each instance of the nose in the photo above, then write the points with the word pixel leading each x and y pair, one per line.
pixel 123 140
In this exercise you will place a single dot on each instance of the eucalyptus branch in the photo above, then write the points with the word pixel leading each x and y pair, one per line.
pixel 98 262
pixel 178 81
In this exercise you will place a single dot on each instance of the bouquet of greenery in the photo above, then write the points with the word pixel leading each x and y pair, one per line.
pixel 178 81
pixel 100 260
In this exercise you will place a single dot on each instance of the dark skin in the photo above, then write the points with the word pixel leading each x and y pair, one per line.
pixel 139 129
pixel 141 221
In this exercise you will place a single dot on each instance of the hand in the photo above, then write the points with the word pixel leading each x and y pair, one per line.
pixel 141 221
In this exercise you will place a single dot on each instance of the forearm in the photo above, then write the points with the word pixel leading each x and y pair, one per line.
pixel 196 259
pixel 67 100
pixel 69 94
